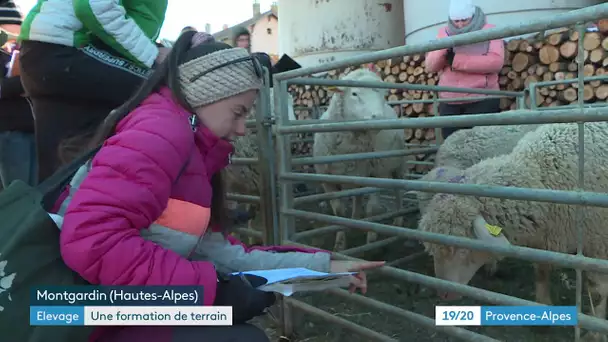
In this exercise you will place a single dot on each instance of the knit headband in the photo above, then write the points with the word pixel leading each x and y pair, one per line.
pixel 223 82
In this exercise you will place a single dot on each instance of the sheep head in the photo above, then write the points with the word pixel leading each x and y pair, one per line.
pixel 458 216
pixel 438 174
pixel 361 103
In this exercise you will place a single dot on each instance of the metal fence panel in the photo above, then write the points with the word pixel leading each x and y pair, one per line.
pixel 279 215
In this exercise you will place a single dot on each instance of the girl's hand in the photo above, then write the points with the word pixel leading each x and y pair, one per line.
pixel 359 280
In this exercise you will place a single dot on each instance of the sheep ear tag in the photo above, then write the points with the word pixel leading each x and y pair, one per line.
pixel 487 232
pixel 494 230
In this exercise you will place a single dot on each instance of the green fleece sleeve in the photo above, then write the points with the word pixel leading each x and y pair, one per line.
pixel 129 32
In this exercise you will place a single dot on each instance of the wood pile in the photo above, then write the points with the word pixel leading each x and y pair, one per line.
pixel 555 58
pixel 537 59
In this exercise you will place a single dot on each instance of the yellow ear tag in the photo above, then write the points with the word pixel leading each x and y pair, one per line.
pixel 494 230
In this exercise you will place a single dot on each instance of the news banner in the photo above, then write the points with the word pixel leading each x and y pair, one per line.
pixel 124 305
pixel 506 315
pixel 183 305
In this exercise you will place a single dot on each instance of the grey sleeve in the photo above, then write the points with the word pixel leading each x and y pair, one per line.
pixel 234 258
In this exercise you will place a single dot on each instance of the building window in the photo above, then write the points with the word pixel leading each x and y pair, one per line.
pixel 269 30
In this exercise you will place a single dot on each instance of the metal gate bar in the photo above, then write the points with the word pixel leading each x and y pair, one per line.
pixel 365 332
pixel 539 195
pixel 333 229
pixel 536 85
pixel 585 321
pixel 361 156
pixel 371 246
pixel 513 251
pixel 335 195
pixel 514 117
pixel 463 334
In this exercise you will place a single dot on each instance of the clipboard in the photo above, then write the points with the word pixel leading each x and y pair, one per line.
pixel 291 280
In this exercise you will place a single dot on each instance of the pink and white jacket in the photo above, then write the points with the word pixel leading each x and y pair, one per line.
pixel 471 68
pixel 127 221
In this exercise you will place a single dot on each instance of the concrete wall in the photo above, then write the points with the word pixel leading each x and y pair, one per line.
pixel 319 31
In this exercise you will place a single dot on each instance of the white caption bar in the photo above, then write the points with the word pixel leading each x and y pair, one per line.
pixel 157 315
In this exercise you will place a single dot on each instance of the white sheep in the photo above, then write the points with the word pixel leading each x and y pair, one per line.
pixel 546 159
pixel 354 103
pixel 467 147
pixel 245 179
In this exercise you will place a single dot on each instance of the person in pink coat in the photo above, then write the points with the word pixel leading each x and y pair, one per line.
pixel 471 66
pixel 148 208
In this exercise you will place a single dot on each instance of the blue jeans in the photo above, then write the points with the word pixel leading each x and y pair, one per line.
pixel 17 158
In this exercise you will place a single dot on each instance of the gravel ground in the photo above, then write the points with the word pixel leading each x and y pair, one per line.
pixel 513 278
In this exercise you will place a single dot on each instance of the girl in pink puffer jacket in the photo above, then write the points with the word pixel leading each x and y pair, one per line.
pixel 469 66
pixel 148 209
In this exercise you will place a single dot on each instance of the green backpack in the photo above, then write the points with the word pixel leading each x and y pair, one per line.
pixel 30 257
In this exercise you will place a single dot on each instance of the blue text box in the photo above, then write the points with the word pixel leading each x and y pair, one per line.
pixel 529 315
pixel 56 315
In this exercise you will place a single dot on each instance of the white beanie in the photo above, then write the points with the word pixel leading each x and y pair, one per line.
pixel 461 9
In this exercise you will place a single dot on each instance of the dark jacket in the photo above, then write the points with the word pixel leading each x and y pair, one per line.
pixel 237 32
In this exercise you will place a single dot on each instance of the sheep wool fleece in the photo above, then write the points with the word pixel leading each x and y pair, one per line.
pixel 467 147
pixel 543 159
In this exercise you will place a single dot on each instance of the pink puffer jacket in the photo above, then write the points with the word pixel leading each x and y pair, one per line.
pixel 470 68
pixel 128 222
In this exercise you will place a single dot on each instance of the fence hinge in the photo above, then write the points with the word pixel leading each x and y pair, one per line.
pixel 267 122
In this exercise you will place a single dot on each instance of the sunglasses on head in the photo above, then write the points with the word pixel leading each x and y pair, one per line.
pixel 257 68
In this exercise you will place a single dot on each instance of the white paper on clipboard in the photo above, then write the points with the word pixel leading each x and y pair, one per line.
pixel 290 280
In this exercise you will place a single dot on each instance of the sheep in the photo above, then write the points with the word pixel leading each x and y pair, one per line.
pixel 445 173
pixel 244 179
pixel 354 103
pixel 467 147
pixel 548 159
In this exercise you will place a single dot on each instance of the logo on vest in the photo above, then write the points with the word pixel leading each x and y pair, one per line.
pixel 6 281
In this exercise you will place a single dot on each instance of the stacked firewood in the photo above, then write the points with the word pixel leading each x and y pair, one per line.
pixel 555 58
pixel 539 58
